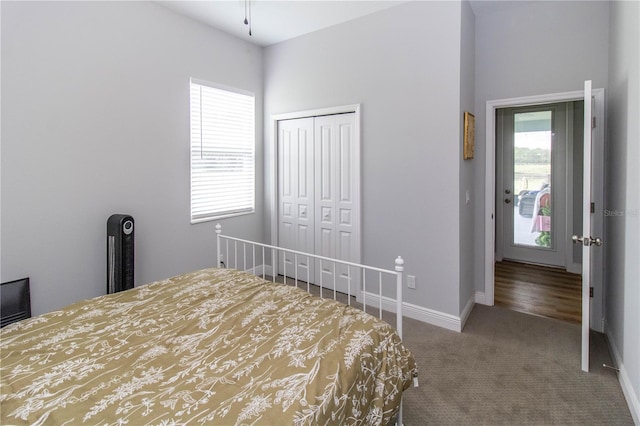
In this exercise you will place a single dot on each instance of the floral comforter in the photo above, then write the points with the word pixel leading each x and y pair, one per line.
pixel 216 346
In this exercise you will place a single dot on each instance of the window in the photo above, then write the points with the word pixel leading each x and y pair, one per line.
pixel 222 152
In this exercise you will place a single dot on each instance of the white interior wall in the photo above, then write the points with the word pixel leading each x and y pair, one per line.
pixel 403 66
pixel 622 180
pixel 95 121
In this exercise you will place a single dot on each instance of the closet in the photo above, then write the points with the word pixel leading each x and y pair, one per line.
pixel 318 196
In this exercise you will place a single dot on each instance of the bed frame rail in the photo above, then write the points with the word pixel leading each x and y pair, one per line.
pixel 236 252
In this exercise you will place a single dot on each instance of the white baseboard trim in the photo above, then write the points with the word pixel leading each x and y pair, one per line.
pixel 426 315
pixel 625 383
pixel 466 312
pixel 480 297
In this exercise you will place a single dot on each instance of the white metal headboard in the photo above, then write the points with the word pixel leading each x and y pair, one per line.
pixel 240 262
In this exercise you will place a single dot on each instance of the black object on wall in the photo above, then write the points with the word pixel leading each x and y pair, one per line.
pixel 120 253
pixel 15 301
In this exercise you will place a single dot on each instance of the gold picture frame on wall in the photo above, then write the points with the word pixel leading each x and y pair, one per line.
pixel 469 136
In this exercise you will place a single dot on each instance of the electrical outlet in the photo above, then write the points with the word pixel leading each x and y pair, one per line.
pixel 411 281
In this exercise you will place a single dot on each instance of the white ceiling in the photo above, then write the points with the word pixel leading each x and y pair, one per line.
pixel 275 21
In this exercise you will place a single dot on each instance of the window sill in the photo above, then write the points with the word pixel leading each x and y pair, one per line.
pixel 222 216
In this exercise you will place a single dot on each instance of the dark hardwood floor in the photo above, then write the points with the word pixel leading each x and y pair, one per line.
pixel 538 290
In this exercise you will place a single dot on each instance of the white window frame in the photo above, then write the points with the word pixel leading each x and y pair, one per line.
pixel 204 186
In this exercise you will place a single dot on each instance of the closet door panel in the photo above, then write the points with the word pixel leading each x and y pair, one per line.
pixel 336 185
pixel 295 193
pixel 347 201
pixel 325 245
pixel 325 203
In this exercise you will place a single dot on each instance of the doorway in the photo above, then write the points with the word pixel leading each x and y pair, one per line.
pixel 592 206
pixel 539 180
pixel 597 197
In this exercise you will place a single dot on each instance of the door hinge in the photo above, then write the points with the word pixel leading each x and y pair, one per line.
pixel 593 122
pixel 590 291
pixel 593 207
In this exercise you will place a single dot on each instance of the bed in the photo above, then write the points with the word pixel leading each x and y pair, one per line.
pixel 214 346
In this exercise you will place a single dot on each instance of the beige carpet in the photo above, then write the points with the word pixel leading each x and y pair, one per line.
pixel 507 368
pixel 510 368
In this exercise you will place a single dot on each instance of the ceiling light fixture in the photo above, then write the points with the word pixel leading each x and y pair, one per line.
pixel 247 6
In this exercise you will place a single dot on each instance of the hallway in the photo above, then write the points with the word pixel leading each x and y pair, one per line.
pixel 538 290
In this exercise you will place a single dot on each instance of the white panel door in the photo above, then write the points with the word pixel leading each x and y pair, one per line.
pixel 296 204
pixel 337 199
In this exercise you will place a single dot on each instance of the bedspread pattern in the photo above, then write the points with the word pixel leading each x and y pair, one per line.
pixel 215 346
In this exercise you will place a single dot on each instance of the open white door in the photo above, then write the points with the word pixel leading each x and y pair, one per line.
pixel 586 239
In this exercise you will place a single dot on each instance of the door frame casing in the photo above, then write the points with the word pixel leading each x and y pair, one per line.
pixel 273 160
pixel 597 302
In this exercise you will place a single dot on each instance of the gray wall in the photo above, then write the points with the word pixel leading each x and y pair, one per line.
pixel 403 66
pixel 467 167
pixel 622 229
pixel 530 48
pixel 95 121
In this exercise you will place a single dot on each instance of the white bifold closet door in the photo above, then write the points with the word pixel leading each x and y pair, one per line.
pixel 296 221
pixel 318 197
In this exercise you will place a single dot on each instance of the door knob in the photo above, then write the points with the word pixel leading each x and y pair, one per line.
pixel 507 191
pixel 507 200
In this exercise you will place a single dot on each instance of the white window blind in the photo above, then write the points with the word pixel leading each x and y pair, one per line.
pixel 222 152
